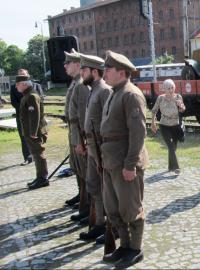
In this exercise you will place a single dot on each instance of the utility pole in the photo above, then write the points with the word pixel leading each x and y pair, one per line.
pixel 43 51
pixel 151 29
pixel 185 28
pixel 147 12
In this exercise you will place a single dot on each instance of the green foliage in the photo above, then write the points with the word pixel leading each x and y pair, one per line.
pixel 164 59
pixel 14 58
pixel 3 47
pixel 34 57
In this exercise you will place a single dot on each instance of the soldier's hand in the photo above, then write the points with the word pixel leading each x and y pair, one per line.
pixel 33 137
pixel 129 175
pixel 79 150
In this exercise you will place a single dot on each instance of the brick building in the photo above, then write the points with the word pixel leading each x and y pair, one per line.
pixel 119 26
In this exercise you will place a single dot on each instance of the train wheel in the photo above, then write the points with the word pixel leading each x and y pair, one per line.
pixel 188 73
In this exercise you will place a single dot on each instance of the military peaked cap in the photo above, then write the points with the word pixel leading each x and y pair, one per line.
pixel 118 61
pixel 73 56
pixel 92 61
pixel 22 78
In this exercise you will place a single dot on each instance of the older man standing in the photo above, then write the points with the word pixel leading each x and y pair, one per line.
pixel 124 156
pixel 34 128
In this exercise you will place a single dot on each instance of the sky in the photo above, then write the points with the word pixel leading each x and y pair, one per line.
pixel 18 17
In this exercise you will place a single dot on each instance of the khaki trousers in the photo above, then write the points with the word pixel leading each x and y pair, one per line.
pixel 37 149
pixel 123 206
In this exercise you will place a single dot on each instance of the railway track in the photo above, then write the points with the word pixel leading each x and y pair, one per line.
pixel 191 126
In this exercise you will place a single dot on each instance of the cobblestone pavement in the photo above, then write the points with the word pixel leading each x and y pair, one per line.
pixel 36 231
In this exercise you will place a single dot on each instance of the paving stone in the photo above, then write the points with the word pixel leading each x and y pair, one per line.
pixel 36 231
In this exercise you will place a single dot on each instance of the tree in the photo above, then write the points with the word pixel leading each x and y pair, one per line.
pixel 13 59
pixel 3 47
pixel 165 59
pixel 34 57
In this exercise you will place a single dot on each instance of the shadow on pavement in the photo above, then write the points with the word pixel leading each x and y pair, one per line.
pixel 30 222
pixel 9 167
pixel 12 193
pixel 35 238
pixel 179 205
pixel 54 257
pixel 159 177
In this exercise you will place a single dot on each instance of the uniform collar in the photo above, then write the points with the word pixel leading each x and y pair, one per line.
pixel 119 86
pixel 96 83
pixel 77 77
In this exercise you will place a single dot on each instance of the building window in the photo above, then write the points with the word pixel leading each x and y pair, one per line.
pixel 171 13
pixel 172 32
pixel 163 51
pixel 142 39
pixel 160 15
pixel 133 38
pixel 116 41
pixel 77 32
pixel 83 30
pixel 91 44
pixel 90 30
pixel 108 26
pixel 143 53
pixel 109 42
pixel 162 34
pixel 123 23
pixel 101 27
pixel 115 25
pixel 85 45
pixel 174 51
pixel 127 54
pixel 126 41
pixel 134 53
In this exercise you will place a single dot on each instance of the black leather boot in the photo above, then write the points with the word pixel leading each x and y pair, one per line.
pixel 130 257
pixel 96 231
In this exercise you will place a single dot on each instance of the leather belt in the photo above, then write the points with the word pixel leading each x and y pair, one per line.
pixel 114 138
pixel 90 136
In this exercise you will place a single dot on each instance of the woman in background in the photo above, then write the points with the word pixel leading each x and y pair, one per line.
pixel 169 104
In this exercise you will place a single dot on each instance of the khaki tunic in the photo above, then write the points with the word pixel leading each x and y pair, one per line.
pixel 123 130
pixel 124 118
pixel 32 114
pixel 34 124
pixel 98 96
pixel 77 107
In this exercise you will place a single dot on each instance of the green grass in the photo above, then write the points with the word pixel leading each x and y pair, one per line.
pixel 56 92
pixel 54 109
pixel 9 141
pixel 188 153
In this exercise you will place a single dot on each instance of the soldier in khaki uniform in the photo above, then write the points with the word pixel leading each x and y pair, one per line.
pixel 124 157
pixel 92 72
pixel 34 128
pixel 76 100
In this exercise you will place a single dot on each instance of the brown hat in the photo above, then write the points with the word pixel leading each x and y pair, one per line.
pixel 22 78
pixel 74 56
pixel 119 61
pixel 92 61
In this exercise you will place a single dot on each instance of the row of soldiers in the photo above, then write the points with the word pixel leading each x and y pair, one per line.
pixel 105 113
